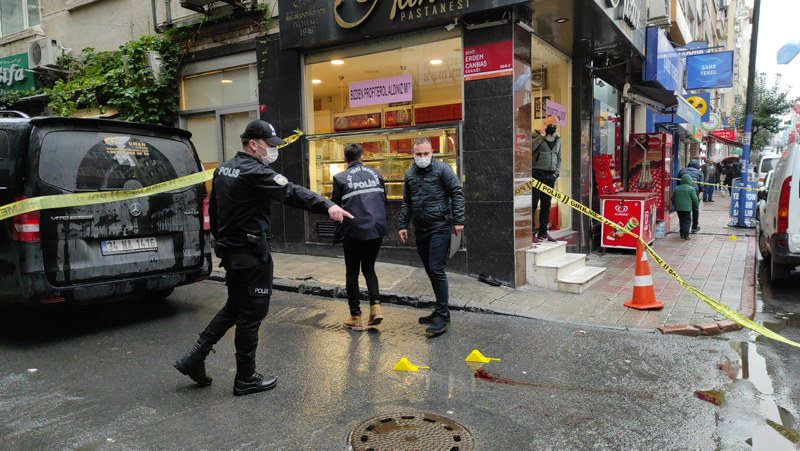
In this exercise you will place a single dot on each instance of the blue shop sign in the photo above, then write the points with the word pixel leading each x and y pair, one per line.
pixel 750 199
pixel 662 64
pixel 709 71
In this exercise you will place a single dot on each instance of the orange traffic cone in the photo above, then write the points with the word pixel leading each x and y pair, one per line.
pixel 644 296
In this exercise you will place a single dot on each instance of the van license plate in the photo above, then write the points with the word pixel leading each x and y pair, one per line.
pixel 129 245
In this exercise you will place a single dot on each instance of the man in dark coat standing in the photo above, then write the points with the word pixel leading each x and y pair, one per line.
pixel 360 190
pixel 433 198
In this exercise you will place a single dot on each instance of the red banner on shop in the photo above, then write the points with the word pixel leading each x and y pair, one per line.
pixel 488 61
pixel 730 135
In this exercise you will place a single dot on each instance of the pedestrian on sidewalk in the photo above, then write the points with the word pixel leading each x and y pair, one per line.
pixel 360 190
pixel 709 174
pixel 434 200
pixel 546 147
pixel 685 201
pixel 239 209
pixel 734 172
pixel 693 170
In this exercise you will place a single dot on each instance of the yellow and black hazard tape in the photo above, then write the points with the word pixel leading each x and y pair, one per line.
pixel 720 185
pixel 720 308
pixel 78 199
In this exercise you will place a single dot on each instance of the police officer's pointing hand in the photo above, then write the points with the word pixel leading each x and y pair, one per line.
pixel 338 214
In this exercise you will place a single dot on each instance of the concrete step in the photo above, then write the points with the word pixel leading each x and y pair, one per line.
pixel 580 280
pixel 545 251
pixel 547 273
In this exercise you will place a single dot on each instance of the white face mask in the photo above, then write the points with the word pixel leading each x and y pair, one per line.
pixel 271 156
pixel 422 162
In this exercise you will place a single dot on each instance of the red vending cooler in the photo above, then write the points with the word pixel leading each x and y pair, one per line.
pixel 633 211
pixel 649 165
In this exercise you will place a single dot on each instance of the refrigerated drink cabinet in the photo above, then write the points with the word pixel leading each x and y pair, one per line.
pixel 632 211
pixel 649 169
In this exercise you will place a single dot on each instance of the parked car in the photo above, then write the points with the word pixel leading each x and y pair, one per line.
pixel 762 196
pixel 779 231
pixel 766 164
pixel 80 254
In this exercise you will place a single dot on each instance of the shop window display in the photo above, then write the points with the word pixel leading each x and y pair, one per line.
pixel 430 66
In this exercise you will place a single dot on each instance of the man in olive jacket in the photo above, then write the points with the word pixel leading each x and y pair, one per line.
pixel 431 190
pixel 546 165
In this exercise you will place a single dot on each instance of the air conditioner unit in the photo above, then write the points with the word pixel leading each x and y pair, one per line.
pixel 658 13
pixel 43 53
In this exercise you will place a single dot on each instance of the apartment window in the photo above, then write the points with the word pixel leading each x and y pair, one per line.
pixel 17 15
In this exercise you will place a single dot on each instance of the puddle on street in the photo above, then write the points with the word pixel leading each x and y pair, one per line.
pixel 780 433
pixel 486 375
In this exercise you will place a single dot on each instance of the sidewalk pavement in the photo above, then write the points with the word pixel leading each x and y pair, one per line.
pixel 720 267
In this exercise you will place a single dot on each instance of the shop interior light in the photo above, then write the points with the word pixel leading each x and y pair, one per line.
pixel 561 20
pixel 337 62
pixel 227 81
pixel 316 82
pixel 436 62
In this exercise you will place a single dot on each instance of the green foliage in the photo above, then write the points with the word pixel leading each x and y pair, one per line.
pixel 123 80
pixel 9 98
pixel 770 104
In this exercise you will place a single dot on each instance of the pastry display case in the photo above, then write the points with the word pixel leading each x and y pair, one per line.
pixel 388 151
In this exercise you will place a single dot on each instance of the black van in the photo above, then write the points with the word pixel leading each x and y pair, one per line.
pixel 145 246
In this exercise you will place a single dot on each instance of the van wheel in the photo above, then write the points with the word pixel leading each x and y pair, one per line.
pixel 762 245
pixel 778 271
pixel 156 295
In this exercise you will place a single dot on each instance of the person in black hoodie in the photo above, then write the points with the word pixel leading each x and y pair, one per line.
pixel 360 190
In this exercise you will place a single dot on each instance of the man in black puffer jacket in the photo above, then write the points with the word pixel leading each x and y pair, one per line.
pixel 693 170
pixel 431 190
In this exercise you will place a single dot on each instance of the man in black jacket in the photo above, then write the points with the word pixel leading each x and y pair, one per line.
pixel 239 209
pixel 360 190
pixel 431 190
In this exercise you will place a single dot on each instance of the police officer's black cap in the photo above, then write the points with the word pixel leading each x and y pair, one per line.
pixel 262 130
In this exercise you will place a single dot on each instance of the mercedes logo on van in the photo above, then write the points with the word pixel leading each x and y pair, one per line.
pixel 136 209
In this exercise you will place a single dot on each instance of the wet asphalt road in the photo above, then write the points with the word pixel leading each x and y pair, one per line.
pixel 104 379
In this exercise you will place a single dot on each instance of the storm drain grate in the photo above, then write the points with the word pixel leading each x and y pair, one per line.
pixel 410 430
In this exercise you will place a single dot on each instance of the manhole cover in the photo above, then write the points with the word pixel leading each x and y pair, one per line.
pixel 410 430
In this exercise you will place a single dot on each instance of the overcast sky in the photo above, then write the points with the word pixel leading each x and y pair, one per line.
pixel 777 25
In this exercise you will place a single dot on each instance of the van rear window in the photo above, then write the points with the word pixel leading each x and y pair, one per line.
pixel 97 161
pixel 768 164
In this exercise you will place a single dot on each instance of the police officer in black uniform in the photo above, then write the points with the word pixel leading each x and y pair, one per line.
pixel 239 207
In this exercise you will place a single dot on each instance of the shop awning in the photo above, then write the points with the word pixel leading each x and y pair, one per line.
pixel 727 142
pixel 656 99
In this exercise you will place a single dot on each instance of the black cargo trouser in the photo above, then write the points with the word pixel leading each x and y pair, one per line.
pixel 549 179
pixel 361 255
pixel 249 281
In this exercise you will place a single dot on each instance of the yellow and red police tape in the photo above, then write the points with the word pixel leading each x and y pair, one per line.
pixel 725 311
pixel 78 199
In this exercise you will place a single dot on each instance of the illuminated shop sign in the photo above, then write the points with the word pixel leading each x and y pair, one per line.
pixel 306 23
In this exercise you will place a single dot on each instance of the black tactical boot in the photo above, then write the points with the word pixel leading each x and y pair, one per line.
pixel 253 384
pixel 193 364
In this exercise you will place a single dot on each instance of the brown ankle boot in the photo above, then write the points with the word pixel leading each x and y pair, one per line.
pixel 353 322
pixel 375 315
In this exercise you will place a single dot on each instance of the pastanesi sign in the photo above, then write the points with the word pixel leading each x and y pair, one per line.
pixel 305 23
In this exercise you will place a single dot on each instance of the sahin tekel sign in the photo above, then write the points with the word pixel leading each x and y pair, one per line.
pixel 709 71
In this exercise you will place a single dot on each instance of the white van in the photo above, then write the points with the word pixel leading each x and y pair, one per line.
pixel 779 231
pixel 766 164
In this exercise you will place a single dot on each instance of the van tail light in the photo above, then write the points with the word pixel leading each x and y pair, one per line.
pixel 206 217
pixel 783 206
pixel 52 300
pixel 26 225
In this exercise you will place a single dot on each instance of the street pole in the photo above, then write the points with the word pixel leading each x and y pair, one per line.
pixel 748 118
